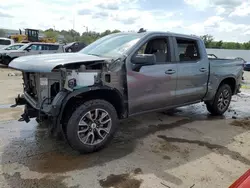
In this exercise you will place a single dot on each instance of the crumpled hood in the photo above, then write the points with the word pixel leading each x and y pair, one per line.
pixel 47 62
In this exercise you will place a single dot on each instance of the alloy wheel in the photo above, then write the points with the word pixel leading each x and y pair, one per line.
pixel 94 126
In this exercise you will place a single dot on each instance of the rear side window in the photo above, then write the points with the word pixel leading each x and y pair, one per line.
pixel 188 50
pixel 5 42
pixel 45 47
pixel 53 47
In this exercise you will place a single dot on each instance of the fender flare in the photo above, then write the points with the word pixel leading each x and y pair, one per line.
pixel 72 94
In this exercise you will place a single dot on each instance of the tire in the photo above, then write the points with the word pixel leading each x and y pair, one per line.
pixel 219 105
pixel 80 137
pixel 6 61
pixel 69 50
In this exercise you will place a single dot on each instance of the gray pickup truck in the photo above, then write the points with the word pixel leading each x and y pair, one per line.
pixel 84 94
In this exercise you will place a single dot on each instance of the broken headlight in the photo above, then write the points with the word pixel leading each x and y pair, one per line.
pixel 72 83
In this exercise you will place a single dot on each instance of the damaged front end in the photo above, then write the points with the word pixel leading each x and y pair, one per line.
pixel 45 93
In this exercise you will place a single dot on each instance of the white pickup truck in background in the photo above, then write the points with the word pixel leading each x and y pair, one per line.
pixel 5 42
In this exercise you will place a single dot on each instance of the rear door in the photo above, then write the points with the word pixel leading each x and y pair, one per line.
pixel 54 48
pixel 153 86
pixel 193 70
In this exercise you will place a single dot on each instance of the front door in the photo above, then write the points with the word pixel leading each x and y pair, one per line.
pixel 152 87
pixel 193 70
pixel 34 49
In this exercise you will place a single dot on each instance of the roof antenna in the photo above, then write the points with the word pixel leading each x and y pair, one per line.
pixel 142 30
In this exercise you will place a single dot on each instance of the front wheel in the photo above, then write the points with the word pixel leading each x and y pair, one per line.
pixel 91 126
pixel 6 61
pixel 221 101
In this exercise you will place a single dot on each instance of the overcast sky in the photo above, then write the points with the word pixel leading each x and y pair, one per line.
pixel 227 20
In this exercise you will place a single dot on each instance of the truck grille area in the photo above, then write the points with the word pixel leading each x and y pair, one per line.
pixel 42 86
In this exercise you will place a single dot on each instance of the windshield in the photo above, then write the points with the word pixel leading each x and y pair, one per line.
pixel 112 45
pixel 13 47
pixel 25 45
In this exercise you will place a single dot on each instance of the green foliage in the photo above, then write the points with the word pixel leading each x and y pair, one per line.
pixel 208 39
pixel 2 33
pixel 86 37
pixel 210 43
pixel 50 33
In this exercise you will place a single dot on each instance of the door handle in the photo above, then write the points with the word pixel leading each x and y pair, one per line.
pixel 203 69
pixel 170 71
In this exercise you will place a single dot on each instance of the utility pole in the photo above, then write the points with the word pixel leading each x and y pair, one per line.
pixel 73 27
pixel 87 29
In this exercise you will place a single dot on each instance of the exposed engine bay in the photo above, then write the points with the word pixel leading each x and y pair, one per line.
pixel 42 88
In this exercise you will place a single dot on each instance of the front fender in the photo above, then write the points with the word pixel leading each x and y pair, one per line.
pixel 63 97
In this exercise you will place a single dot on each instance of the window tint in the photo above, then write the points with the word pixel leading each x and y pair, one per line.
pixel 39 47
pixel 53 47
pixel 4 42
pixel 188 50
pixel 34 47
pixel 158 47
pixel 45 47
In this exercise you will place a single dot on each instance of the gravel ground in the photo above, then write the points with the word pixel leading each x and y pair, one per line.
pixel 182 148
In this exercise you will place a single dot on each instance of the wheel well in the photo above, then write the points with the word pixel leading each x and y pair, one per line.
pixel 231 82
pixel 111 96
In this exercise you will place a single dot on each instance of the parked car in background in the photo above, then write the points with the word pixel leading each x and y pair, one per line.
pixel 14 46
pixel 5 42
pixel 83 94
pixel 33 48
pixel 247 66
pixel 74 46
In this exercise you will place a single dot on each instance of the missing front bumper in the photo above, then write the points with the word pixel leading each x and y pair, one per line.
pixel 29 112
pixel 35 109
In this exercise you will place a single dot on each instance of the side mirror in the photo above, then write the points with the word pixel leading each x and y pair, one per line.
pixel 144 59
pixel 28 49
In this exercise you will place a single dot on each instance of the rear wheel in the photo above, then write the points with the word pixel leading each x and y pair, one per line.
pixel 91 126
pixel 221 101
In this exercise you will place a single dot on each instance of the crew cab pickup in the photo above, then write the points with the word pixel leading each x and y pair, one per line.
pixel 122 75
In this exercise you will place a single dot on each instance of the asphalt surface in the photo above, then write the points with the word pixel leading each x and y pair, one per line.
pixel 185 147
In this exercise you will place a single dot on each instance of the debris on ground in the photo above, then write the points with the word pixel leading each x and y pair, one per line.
pixel 234 117
pixel 165 185
pixel 15 74
pixel 244 123
pixel 163 146
pixel 122 180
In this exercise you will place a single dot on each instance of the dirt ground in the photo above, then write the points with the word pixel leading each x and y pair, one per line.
pixel 182 148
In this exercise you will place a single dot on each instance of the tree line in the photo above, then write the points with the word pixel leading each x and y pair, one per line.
pixel 91 36
pixel 72 35
pixel 211 43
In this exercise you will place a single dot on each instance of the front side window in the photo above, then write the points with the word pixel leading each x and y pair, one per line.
pixel 157 47
pixel 113 45
pixel 188 50
pixel 34 47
